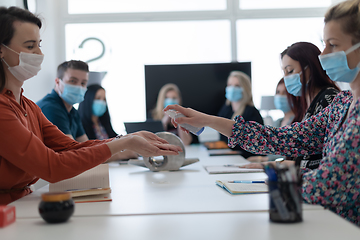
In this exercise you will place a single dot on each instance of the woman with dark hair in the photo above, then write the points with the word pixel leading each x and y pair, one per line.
pixel 310 90
pixel 305 79
pixel 8 18
pixel 31 146
pixel 95 115
pixel 95 119
pixel 334 131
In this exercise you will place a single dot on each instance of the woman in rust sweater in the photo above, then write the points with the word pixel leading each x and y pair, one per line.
pixel 31 146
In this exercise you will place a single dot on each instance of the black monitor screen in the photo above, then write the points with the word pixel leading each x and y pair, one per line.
pixel 202 86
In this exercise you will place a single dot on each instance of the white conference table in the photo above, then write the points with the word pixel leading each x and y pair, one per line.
pixel 185 204
pixel 138 191
pixel 245 225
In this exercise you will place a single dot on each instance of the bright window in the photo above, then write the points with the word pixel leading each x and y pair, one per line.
pixel 129 46
pixel 124 6
pixel 273 4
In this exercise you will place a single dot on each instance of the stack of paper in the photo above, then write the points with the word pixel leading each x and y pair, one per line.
pixel 90 186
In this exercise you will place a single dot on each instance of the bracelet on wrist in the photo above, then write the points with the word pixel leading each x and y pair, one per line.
pixel 118 136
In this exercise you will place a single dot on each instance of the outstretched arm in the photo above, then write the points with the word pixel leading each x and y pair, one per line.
pixel 198 119
pixel 45 152
pixel 143 146
pixel 298 139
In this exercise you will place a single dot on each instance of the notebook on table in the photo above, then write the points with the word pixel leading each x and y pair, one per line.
pixel 242 188
pixel 92 185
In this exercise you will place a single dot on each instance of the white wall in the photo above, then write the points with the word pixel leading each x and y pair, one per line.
pixel 8 3
pixel 37 87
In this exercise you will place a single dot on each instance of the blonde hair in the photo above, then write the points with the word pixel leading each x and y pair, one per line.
pixel 348 15
pixel 245 83
pixel 157 113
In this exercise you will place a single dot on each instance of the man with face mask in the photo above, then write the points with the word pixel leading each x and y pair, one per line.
pixel 70 88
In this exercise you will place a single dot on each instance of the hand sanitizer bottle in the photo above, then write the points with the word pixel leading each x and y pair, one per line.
pixel 195 130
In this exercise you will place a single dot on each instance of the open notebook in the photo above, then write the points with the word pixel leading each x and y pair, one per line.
pixel 92 185
pixel 242 188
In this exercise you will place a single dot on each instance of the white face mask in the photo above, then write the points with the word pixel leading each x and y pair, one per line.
pixel 29 65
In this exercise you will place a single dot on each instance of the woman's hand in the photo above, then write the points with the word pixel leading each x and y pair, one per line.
pixel 150 137
pixel 193 118
pixel 198 119
pixel 150 148
pixel 144 143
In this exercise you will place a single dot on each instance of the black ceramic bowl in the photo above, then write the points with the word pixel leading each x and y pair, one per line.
pixel 56 207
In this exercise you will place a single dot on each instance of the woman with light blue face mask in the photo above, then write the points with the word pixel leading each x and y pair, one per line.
pixel 239 97
pixel 281 102
pixel 310 88
pixel 336 65
pixel 170 94
pixel 306 80
pixel 333 133
pixel 94 114
pixel 169 101
pixel 95 118
pixel 239 102
pixel 31 146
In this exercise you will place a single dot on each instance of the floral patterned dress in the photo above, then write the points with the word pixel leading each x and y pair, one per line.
pixel 335 184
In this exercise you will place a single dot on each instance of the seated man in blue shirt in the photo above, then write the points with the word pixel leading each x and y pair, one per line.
pixel 70 88
pixel 57 106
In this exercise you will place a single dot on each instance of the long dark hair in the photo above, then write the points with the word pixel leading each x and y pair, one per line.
pixel 307 55
pixel 7 18
pixel 85 111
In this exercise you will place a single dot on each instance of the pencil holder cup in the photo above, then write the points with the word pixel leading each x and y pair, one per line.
pixel 285 202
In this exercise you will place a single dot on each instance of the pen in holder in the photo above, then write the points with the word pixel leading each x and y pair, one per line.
pixel 285 200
